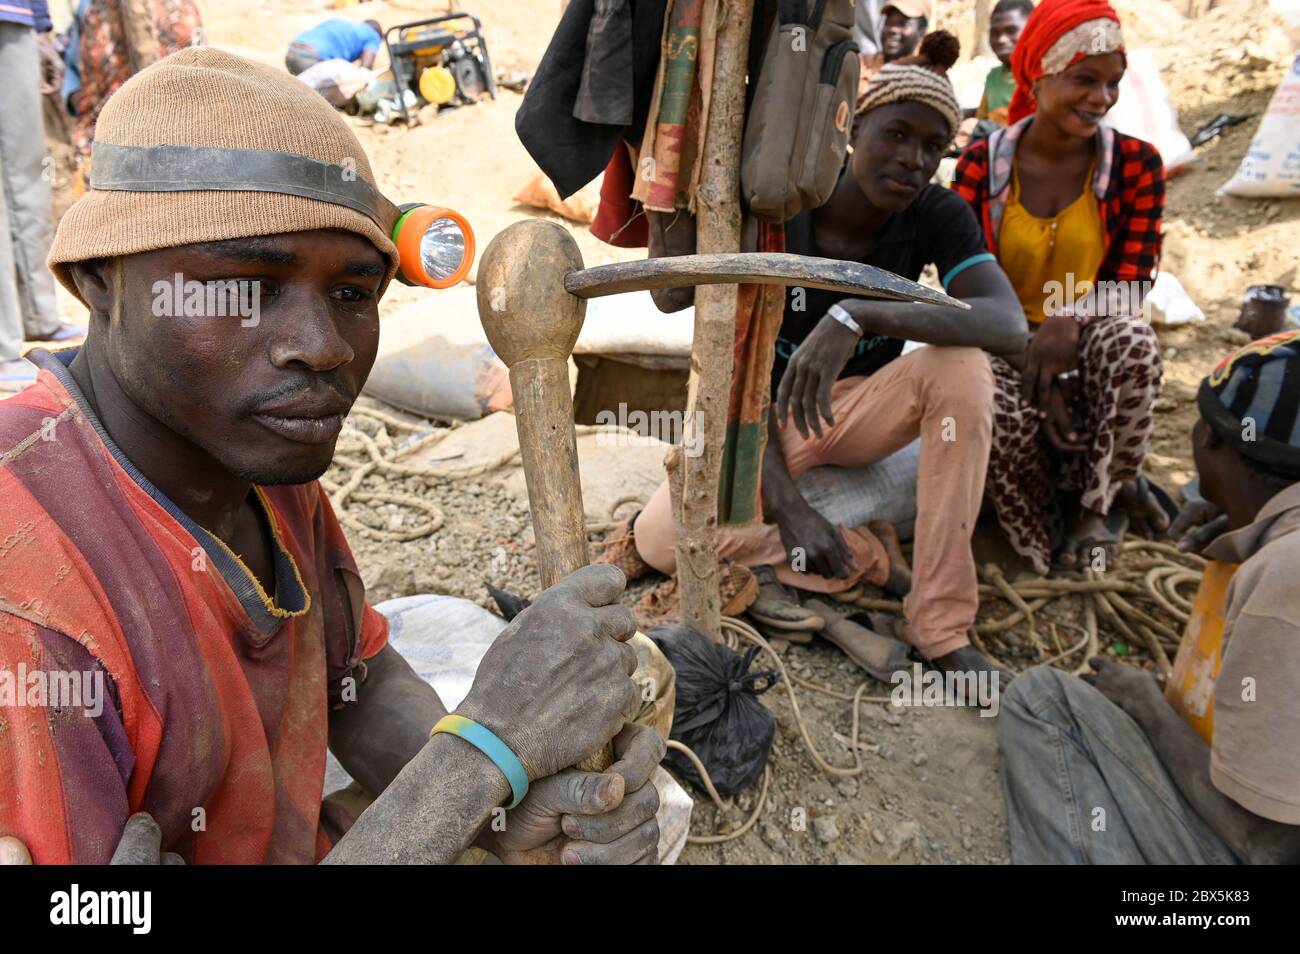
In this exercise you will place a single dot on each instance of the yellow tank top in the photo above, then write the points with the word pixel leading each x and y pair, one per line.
pixel 1052 262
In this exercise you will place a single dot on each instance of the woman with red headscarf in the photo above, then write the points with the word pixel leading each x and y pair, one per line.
pixel 1072 210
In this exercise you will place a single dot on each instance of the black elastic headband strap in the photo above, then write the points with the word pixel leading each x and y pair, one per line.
pixel 197 169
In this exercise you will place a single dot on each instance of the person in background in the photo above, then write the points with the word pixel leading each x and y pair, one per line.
pixel 1264 311
pixel 1072 210
pixel 107 58
pixel 29 68
pixel 335 39
pixel 903 25
pixel 1108 769
pixel 867 18
pixel 72 58
pixel 1005 23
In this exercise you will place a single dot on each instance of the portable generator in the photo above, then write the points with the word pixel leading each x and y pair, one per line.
pixel 442 60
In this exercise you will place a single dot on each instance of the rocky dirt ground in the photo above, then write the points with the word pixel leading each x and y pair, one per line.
pixel 929 790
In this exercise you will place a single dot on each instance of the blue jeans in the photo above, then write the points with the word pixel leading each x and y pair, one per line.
pixel 1084 786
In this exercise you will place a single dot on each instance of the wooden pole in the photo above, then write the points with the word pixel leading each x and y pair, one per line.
pixel 532 324
pixel 709 386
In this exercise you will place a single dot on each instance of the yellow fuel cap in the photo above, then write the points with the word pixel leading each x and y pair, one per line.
pixel 437 85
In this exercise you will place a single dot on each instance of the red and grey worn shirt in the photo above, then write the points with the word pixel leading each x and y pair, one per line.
pixel 216 696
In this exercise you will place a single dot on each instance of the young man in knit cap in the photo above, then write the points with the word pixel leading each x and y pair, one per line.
pixel 165 543
pixel 1110 770
pixel 846 395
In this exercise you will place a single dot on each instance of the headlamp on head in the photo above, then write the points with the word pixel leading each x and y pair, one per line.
pixel 435 246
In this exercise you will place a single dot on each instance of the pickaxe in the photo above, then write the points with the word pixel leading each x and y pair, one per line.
pixel 532 292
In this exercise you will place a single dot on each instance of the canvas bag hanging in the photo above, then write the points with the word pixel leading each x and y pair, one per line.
pixel 797 131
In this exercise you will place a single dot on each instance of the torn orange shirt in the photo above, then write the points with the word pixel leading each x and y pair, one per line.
pixel 198 697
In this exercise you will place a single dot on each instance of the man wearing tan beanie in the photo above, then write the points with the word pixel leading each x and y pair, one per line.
pixel 178 604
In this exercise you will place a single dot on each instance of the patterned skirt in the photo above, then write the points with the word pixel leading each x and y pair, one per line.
pixel 107 59
pixel 1120 371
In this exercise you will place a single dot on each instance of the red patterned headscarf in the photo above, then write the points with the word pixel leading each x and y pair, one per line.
pixel 1058 34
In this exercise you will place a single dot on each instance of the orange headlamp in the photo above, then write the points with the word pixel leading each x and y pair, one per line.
pixel 435 246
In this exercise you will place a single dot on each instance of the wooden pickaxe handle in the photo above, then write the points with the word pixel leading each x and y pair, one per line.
pixel 532 324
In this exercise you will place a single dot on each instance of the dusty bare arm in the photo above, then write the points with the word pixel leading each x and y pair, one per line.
pixel 995 321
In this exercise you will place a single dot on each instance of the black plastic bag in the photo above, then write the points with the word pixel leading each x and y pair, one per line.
pixel 718 715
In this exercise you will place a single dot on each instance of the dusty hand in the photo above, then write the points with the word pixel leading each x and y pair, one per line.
pixel 824 549
pixel 1133 690
pixel 556 685
pixel 1052 351
pixel 1058 422
pixel 805 388
pixel 587 818
pixel 1197 523
pixel 141 844
pixel 1146 517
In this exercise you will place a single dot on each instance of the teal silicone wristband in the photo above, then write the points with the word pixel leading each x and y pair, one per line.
pixel 486 742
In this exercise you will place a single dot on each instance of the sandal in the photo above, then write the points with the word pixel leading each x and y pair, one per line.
pixel 879 655
pixel 737 589
pixel 619 549
pixel 778 609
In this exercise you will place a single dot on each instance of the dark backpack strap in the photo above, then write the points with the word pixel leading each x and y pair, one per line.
pixel 793 11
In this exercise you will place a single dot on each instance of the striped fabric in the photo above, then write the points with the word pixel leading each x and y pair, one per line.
pixel 1252 400
pixel 218 696
pixel 31 13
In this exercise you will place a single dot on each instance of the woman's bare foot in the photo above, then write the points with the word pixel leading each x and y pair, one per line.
pixel 1091 538
pixel 777 608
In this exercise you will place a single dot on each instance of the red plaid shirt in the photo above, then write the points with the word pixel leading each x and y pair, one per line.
pixel 1129 183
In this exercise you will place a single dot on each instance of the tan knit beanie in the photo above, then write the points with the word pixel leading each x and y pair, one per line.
pixel 922 78
pixel 206 98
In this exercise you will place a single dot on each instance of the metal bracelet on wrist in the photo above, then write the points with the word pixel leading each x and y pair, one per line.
pixel 844 318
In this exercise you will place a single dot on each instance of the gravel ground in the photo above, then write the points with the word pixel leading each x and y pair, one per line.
pixel 928 792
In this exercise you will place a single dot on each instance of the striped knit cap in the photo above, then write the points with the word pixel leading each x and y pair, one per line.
pixel 1252 401
pixel 922 78
pixel 206 98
